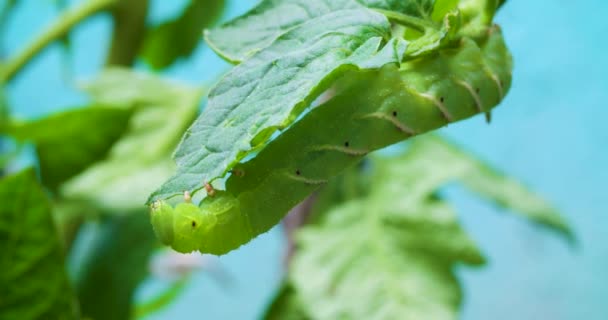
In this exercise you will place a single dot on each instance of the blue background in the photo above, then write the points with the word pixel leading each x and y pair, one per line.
pixel 550 132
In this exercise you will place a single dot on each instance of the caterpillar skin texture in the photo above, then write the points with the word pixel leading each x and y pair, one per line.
pixel 390 105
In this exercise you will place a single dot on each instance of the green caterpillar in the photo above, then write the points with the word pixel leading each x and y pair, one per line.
pixel 377 109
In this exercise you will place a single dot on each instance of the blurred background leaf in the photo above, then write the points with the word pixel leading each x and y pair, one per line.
pixel 286 306
pixel 141 159
pixel 382 243
pixel 33 281
pixel 117 261
pixel 65 142
pixel 491 185
pixel 114 266
pixel 160 47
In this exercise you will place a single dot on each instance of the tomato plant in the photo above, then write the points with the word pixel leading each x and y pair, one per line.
pixel 316 87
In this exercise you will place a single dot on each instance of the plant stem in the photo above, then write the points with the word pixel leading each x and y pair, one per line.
pixel 60 27
pixel 408 21
pixel 129 31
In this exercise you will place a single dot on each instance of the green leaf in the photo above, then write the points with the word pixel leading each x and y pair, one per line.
pixel 425 28
pixel 33 281
pixel 240 38
pixel 268 91
pixel 496 187
pixel 387 251
pixel 383 257
pixel 68 142
pixel 141 159
pixel 115 265
pixel 175 39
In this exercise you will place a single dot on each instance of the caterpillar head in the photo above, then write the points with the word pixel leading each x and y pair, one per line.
pixel 187 227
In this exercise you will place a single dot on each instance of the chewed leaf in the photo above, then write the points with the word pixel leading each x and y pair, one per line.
pixel 268 91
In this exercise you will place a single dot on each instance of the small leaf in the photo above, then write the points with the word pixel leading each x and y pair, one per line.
pixel 68 142
pixel 166 43
pixel 141 159
pixel 268 91
pixel 33 281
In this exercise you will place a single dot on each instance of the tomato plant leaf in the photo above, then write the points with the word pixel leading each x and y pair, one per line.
pixel 285 64
pixel 33 281
pixel 178 38
pixel 268 91
pixel 390 234
pixel 240 38
pixel 65 143
pixel 141 159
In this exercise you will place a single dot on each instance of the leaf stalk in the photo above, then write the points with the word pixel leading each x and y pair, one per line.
pixel 60 27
